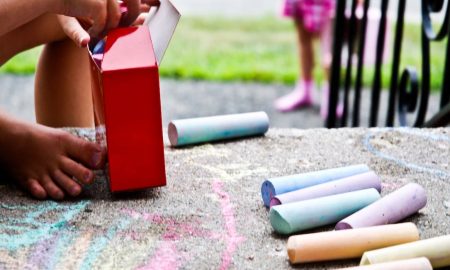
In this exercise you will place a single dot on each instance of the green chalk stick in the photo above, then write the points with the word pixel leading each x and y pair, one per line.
pixel 294 217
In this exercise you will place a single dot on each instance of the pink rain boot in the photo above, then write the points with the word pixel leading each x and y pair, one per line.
pixel 300 97
pixel 324 103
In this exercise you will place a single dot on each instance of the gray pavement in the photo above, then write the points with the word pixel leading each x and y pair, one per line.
pixel 186 99
pixel 210 214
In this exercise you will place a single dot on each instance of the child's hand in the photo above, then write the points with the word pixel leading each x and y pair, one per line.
pixel 146 5
pixel 97 17
pixel 104 14
pixel 74 30
pixel 130 18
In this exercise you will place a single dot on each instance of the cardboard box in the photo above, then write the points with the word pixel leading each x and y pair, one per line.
pixel 127 104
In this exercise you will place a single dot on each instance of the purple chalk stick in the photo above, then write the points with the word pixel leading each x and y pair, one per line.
pixel 98 58
pixel 392 208
pixel 353 183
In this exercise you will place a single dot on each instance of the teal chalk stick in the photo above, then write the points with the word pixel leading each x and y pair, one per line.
pixel 214 128
pixel 279 185
pixel 294 217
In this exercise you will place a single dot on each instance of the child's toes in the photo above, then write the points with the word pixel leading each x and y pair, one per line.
pixel 35 189
pixel 66 183
pixel 52 189
pixel 75 169
pixel 88 153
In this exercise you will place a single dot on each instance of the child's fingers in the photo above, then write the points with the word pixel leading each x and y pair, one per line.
pixel 74 30
pixel 99 21
pixel 144 8
pixel 86 23
pixel 114 16
pixel 151 2
pixel 141 19
pixel 133 7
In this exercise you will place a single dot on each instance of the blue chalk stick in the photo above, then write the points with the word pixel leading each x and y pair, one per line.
pixel 99 47
pixel 279 185
pixel 209 129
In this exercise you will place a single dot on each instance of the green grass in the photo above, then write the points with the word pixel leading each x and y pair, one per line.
pixel 24 63
pixel 262 50
pixel 247 50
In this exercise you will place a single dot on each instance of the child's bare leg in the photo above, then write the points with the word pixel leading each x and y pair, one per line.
pixel 41 159
pixel 306 51
pixel 302 94
pixel 63 87
pixel 62 95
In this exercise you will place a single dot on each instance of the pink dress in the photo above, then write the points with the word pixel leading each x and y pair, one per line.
pixel 314 13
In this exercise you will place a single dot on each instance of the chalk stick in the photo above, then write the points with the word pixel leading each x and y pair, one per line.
pixel 437 250
pixel 392 208
pixel 298 216
pixel 207 129
pixel 347 244
pixel 348 184
pixel 98 58
pixel 99 48
pixel 279 185
pixel 411 264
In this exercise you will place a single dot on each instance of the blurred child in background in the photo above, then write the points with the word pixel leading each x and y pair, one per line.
pixel 313 19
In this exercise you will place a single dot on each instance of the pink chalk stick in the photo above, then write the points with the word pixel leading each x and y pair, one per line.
pixel 392 208
pixel 353 183
pixel 98 58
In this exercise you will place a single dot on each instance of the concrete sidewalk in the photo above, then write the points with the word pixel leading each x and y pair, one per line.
pixel 210 215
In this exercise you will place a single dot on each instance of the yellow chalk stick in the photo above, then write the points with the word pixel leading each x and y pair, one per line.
pixel 437 250
pixel 411 264
pixel 346 244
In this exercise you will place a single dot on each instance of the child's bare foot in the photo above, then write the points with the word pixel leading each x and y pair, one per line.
pixel 45 161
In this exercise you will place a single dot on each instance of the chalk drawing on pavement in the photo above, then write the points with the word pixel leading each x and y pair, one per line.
pixel 403 163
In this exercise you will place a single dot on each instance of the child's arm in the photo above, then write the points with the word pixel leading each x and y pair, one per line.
pixel 28 10
pixel 94 10
pixel 102 14
pixel 76 31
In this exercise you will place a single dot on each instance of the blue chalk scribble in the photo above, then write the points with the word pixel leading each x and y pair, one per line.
pixel 100 243
pixel 27 224
pixel 400 162
pixel 60 249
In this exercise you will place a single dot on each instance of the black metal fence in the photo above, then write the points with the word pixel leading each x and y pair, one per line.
pixel 406 93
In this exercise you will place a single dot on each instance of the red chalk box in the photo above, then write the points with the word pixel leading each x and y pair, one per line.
pixel 127 105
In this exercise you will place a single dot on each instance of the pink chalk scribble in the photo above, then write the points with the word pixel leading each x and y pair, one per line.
pixel 174 229
pixel 166 257
pixel 232 238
